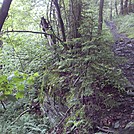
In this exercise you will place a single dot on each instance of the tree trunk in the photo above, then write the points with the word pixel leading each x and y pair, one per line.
pixel 130 6
pixel 75 7
pixel 100 21
pixel 4 12
pixel 126 7
pixel 61 23
pixel 126 4
pixel 116 9
pixel 111 10
pixel 121 10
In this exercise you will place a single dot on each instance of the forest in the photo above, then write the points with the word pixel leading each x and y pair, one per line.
pixel 66 66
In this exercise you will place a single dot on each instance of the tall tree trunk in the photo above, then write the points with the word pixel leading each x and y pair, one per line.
pixel 4 12
pixel 130 6
pixel 126 4
pixel 75 8
pixel 61 23
pixel 100 21
pixel 116 9
pixel 111 10
pixel 126 7
pixel 121 10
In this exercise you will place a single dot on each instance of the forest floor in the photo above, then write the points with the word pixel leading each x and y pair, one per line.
pixel 120 119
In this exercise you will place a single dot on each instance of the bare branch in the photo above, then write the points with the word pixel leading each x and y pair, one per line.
pixel 34 32
pixel 21 31
pixel 27 110
pixel 20 115
pixel 63 119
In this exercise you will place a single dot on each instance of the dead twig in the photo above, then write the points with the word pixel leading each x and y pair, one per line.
pixel 27 110
pixel 62 120
pixel 105 130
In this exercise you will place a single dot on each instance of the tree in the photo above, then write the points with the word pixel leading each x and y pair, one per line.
pixel 116 9
pixel 100 21
pixel 131 6
pixel 75 8
pixel 111 10
pixel 4 11
pixel 126 7
pixel 126 4
pixel 61 23
pixel 121 10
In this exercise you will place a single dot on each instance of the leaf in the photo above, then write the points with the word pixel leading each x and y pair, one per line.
pixel 20 87
pixel 16 73
pixel 36 74
pixel 19 95
pixel 70 122
pixel 30 80
pixel 78 123
pixel 7 92
pixel 3 78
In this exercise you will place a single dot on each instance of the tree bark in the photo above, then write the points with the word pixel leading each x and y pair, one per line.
pixel 111 10
pixel 116 9
pixel 61 23
pixel 130 6
pixel 126 7
pixel 126 4
pixel 4 12
pixel 75 9
pixel 100 21
pixel 121 10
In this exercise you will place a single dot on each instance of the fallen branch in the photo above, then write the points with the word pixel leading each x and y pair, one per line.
pixel 20 115
pixel 105 130
pixel 27 110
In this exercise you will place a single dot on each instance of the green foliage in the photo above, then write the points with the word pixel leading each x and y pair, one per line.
pixel 89 22
pixel 54 77
pixel 15 84
pixel 85 72
pixel 127 26
pixel 27 123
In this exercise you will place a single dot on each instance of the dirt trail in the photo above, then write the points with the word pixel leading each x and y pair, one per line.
pixel 121 117
pixel 116 35
pixel 123 47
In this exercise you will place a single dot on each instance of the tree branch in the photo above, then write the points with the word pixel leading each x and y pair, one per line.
pixel 20 116
pixel 34 32
pixel 27 110
pixel 63 119
pixel 26 31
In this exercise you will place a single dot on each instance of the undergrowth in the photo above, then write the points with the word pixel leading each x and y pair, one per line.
pixel 65 90
pixel 125 24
